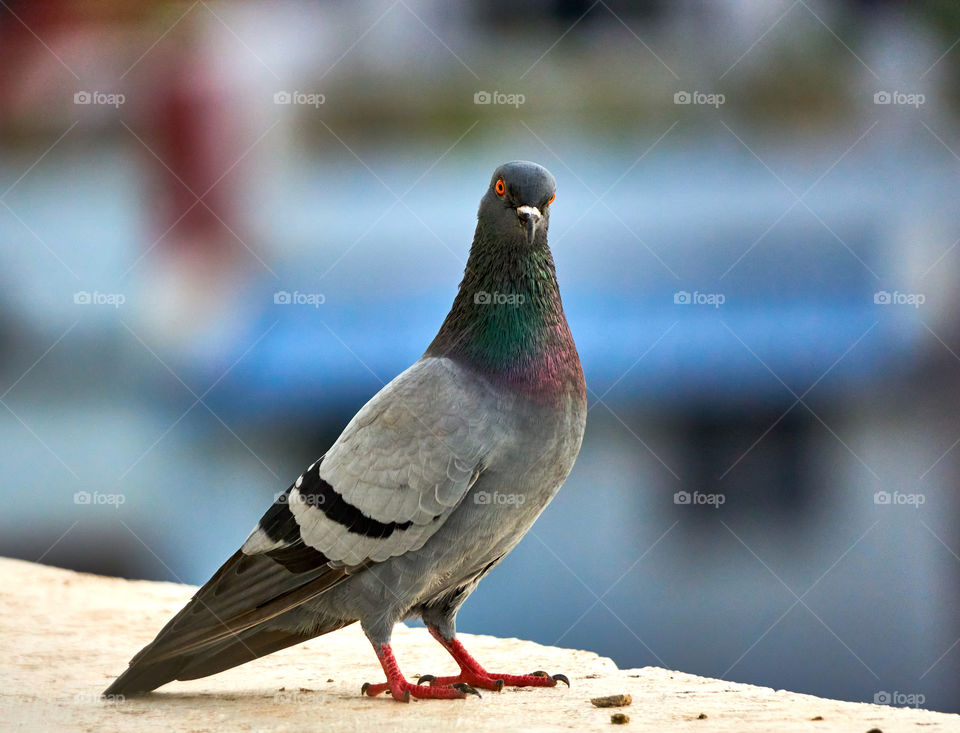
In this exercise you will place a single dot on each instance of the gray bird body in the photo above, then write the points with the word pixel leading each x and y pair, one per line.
pixel 428 487
pixel 526 455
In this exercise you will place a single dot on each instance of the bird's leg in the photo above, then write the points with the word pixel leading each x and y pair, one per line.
pixel 475 675
pixel 401 690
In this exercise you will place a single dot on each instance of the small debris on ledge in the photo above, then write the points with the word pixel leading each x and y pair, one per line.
pixel 612 701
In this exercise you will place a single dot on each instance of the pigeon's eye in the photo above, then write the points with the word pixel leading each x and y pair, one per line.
pixel 552 198
pixel 500 188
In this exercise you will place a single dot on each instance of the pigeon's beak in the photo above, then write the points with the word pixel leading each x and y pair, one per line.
pixel 529 219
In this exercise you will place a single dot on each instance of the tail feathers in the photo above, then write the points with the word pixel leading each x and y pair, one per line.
pixel 144 675
pixel 140 678
pixel 250 607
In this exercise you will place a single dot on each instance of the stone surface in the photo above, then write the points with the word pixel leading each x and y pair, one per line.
pixel 66 635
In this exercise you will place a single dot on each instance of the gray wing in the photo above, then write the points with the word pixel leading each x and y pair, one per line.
pixel 398 470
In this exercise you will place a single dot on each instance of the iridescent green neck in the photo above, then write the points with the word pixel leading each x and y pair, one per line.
pixel 507 320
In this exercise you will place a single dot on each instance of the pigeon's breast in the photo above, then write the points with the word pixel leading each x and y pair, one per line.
pixel 546 442
pixel 515 486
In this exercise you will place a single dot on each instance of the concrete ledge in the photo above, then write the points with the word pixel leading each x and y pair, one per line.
pixel 66 635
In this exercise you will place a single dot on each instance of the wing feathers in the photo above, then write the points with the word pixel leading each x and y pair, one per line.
pixel 245 592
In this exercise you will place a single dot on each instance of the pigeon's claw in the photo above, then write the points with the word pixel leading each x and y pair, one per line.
pixel 373 690
pixel 555 677
pixel 466 689
pixel 402 691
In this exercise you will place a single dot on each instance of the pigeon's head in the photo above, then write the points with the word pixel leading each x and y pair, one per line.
pixel 517 204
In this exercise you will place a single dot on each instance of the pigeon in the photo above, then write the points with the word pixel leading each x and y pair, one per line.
pixel 427 489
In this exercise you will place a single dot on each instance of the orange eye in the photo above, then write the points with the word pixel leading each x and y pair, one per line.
pixel 552 198
pixel 500 188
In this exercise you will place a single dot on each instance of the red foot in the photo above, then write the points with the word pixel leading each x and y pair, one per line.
pixel 491 681
pixel 402 691
pixel 471 673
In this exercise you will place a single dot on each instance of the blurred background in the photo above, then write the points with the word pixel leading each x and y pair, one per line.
pixel 224 226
